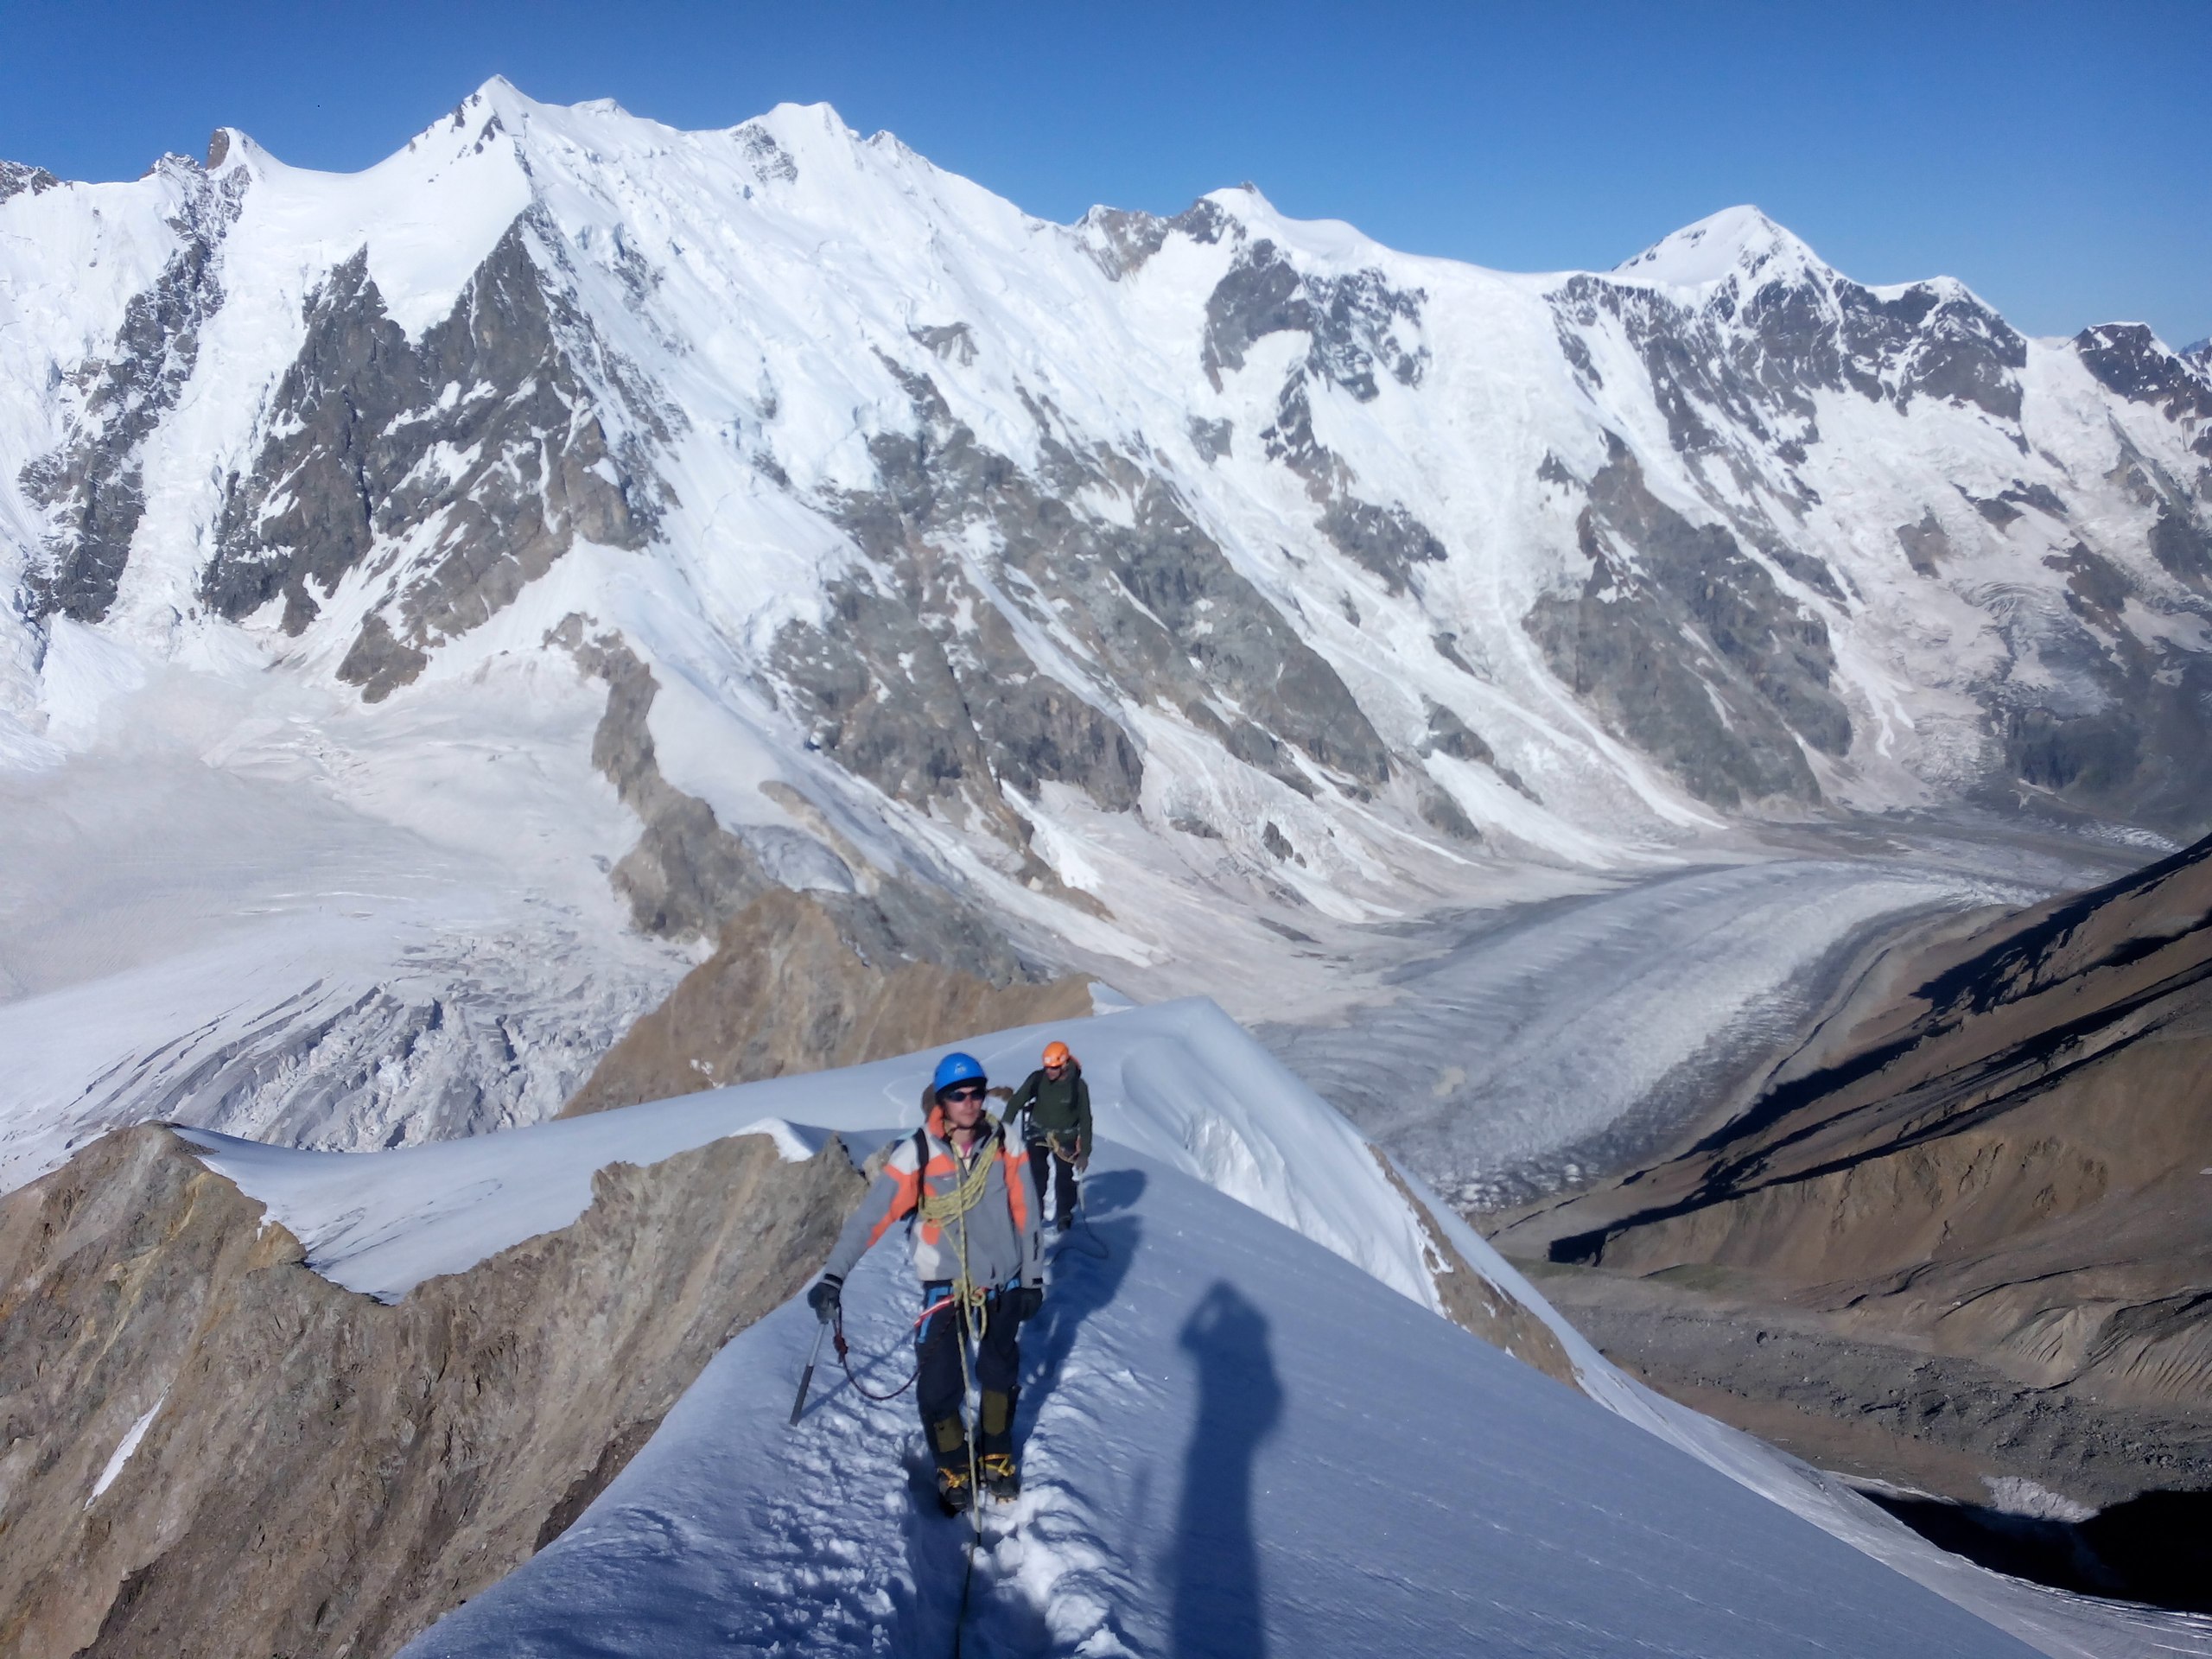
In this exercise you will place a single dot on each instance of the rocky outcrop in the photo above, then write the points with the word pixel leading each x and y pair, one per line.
pixel 1475 1304
pixel 786 992
pixel 486 445
pixel 93 488
pixel 1728 716
pixel 1995 1149
pixel 857 966
pixel 18 179
pixel 208 1449
pixel 688 875
pixel 923 681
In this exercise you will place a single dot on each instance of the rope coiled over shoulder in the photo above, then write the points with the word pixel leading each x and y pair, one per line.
pixel 938 1208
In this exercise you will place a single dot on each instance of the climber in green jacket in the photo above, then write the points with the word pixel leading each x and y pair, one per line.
pixel 1054 1106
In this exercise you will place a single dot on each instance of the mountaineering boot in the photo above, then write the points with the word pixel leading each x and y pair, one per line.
pixel 948 1445
pixel 954 1494
pixel 995 1439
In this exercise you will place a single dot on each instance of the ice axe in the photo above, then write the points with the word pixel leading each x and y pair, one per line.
pixel 806 1377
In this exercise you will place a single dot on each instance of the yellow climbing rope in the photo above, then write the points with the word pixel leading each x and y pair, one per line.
pixel 938 1208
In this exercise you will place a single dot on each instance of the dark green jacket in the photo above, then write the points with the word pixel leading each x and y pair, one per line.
pixel 1059 1109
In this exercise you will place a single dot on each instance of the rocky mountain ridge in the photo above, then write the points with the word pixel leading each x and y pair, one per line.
pixel 308 1470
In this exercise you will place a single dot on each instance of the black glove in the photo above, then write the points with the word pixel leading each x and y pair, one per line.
pixel 1023 1301
pixel 823 1298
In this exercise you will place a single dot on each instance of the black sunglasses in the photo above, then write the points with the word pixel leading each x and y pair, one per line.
pixel 962 1091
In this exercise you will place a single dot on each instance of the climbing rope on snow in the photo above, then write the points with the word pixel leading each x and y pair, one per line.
pixel 844 1359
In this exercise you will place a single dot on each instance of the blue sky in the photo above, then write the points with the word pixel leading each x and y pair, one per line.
pixel 2057 157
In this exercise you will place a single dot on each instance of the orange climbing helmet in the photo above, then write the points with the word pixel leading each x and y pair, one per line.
pixel 1057 1054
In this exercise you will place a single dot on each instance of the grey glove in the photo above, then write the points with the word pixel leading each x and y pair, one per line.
pixel 1023 1301
pixel 823 1298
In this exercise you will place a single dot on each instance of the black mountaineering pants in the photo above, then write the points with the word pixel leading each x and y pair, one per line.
pixel 1041 1153
pixel 938 1387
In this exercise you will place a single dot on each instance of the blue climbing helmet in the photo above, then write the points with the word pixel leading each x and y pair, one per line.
pixel 956 1068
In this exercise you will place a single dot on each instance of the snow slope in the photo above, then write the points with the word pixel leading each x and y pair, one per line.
pixel 1235 1446
pixel 1236 1438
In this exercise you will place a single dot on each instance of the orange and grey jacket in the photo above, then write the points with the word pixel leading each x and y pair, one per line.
pixel 1003 1239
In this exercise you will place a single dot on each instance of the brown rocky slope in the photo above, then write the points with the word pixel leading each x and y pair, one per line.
pixel 319 1473
pixel 786 991
pixel 1998 1150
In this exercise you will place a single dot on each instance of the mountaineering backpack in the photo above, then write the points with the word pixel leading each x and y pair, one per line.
pixel 1029 1112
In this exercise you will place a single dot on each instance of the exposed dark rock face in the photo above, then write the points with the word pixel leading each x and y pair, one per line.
pixel 953 341
pixel 1212 439
pixel 1688 649
pixel 866 966
pixel 1756 360
pixel 1356 324
pixel 1926 545
pixel 770 160
pixel 1449 734
pixel 486 445
pixel 688 876
pixel 377 662
pixel 2126 357
pixel 922 685
pixel 93 488
pixel 2181 544
pixel 319 1473
pixel 1121 241
pixel 1440 812
pixel 1354 321
pixel 1735 374
pixel 18 179
pixel 2119 728
pixel 1389 540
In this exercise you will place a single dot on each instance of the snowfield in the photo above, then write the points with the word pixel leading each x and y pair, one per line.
pixel 263 914
pixel 1247 1429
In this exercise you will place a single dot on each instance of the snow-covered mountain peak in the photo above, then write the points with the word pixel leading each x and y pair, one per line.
pixel 17 178
pixel 1739 240
pixel 1093 572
